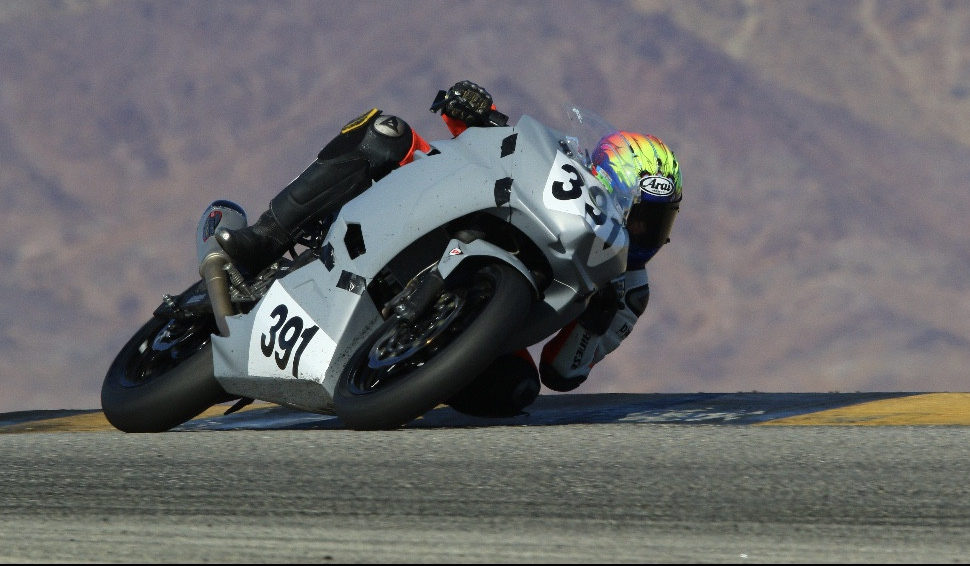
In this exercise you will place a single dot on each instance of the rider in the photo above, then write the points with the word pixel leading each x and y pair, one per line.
pixel 374 144
pixel 568 358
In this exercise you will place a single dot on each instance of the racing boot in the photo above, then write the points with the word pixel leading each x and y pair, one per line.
pixel 254 247
pixel 325 186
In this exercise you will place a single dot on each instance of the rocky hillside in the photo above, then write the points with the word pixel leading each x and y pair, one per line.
pixel 825 150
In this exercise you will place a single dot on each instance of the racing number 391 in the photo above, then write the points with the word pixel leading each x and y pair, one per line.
pixel 286 333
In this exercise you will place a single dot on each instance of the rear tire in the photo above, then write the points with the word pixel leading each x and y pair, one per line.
pixel 405 369
pixel 162 377
pixel 504 389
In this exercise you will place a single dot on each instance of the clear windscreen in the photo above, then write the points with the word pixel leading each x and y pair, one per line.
pixel 584 129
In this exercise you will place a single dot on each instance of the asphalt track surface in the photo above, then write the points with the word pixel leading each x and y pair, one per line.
pixel 582 478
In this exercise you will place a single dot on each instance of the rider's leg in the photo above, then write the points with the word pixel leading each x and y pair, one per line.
pixel 366 149
pixel 322 187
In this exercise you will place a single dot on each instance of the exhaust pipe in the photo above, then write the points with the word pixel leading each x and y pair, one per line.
pixel 213 261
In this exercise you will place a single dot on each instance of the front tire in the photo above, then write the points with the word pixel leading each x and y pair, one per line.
pixel 407 368
pixel 162 377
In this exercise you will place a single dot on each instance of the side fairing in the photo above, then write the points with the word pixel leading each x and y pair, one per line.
pixel 293 345
pixel 285 349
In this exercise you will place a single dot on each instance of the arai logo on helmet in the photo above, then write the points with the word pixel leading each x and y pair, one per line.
pixel 657 185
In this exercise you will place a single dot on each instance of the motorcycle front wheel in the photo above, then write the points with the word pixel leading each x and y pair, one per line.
pixel 162 377
pixel 407 368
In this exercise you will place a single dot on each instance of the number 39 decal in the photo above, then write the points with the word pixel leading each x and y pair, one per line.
pixel 285 341
pixel 569 189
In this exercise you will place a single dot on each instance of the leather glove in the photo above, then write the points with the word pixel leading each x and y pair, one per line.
pixel 468 102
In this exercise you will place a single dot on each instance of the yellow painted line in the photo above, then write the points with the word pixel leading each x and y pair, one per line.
pixel 96 422
pixel 924 409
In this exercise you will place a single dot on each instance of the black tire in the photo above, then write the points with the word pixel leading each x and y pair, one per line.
pixel 504 389
pixel 152 388
pixel 384 388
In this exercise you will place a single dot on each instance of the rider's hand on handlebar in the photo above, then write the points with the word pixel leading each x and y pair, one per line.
pixel 468 102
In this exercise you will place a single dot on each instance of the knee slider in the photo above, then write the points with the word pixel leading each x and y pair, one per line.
pixel 386 143
pixel 383 140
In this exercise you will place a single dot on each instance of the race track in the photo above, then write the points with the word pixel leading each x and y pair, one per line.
pixel 583 478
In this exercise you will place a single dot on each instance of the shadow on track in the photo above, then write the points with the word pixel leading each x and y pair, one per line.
pixel 698 408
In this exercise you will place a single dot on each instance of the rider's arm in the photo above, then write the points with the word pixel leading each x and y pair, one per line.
pixel 455 125
pixel 568 358
pixel 465 105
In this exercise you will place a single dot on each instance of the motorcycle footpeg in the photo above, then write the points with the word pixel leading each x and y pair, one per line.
pixel 237 282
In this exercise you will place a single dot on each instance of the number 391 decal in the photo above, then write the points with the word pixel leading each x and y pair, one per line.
pixel 286 342
pixel 289 331
pixel 569 189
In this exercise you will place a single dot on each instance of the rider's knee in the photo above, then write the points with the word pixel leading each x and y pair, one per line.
pixel 383 139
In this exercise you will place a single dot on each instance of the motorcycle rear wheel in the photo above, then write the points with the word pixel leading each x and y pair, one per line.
pixel 504 389
pixel 162 377
pixel 407 368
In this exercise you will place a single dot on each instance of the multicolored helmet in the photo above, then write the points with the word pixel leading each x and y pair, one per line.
pixel 644 167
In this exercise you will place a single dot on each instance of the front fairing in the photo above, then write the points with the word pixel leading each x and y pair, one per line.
pixel 578 224
pixel 579 208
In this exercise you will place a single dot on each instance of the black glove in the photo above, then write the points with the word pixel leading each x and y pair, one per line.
pixel 466 101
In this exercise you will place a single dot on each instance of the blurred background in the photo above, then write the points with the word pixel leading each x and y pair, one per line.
pixel 825 145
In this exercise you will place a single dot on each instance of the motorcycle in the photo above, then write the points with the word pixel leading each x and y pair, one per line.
pixel 490 243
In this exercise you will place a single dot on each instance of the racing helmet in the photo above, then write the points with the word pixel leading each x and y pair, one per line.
pixel 644 167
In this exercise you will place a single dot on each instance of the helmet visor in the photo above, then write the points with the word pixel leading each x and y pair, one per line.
pixel 649 225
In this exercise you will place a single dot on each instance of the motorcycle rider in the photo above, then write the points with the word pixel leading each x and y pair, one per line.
pixel 568 358
pixel 373 144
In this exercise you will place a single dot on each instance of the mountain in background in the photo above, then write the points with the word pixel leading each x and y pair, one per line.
pixel 825 149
